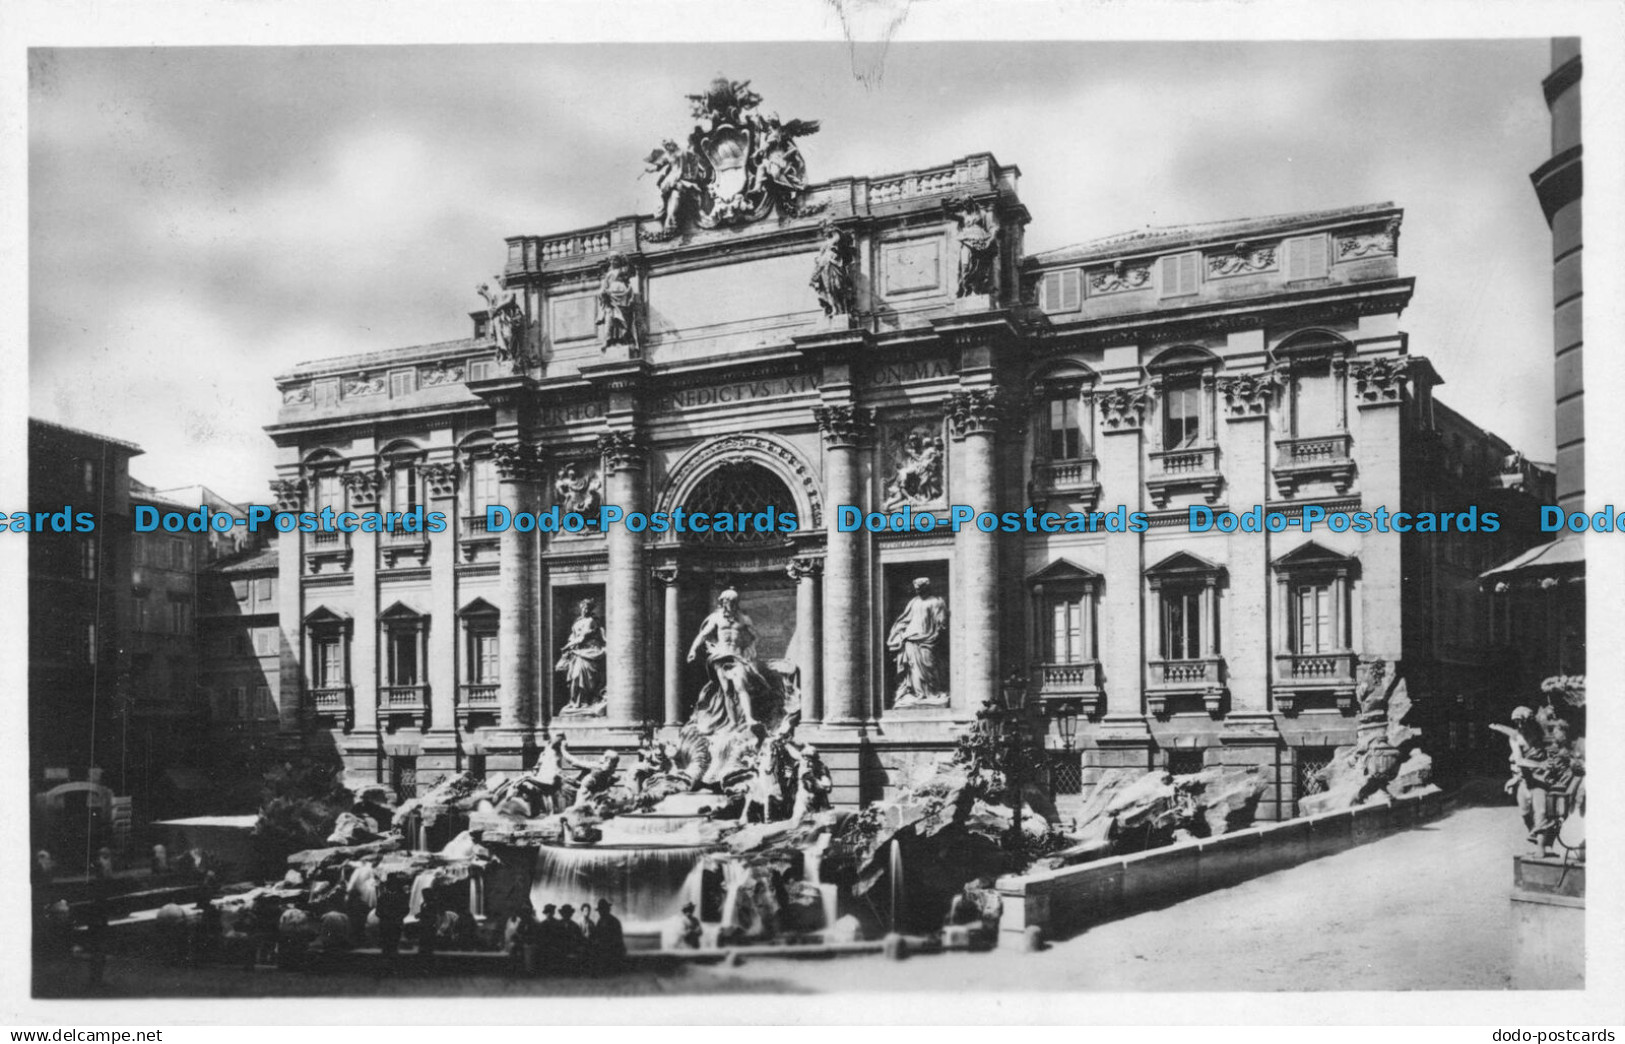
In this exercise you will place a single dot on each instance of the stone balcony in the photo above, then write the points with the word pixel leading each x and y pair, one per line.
pixel 1301 674
pixel 476 700
pixel 1322 458
pixel 327 552
pixel 400 546
pixel 1180 681
pixel 332 704
pixel 1070 683
pixel 472 535
pixel 404 701
pixel 1071 480
pixel 1183 470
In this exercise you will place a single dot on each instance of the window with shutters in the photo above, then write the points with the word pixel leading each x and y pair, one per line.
pixel 1182 622
pixel 328 493
pixel 87 558
pixel 481 369
pixel 1061 291
pixel 402 382
pixel 1180 274
pixel 1181 416
pixel 403 488
pixel 1065 427
pixel 328 662
pixel 483 485
pixel 1307 257
pixel 1312 618
pixel 1068 628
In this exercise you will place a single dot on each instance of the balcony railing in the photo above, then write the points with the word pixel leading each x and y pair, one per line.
pixel 331 702
pixel 1174 678
pixel 1075 479
pixel 1297 674
pixel 325 548
pixel 478 698
pixel 1071 683
pixel 474 534
pixel 1195 467
pixel 404 701
pixel 1321 458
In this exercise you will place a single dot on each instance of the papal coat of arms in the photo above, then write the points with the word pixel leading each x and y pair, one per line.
pixel 737 167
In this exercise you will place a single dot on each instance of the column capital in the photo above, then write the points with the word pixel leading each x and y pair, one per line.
pixel 289 493
pixel 363 486
pixel 1250 394
pixel 623 450
pixel 440 479
pixel 978 411
pixel 1122 409
pixel 845 425
pixel 517 461
pixel 1381 380
pixel 806 567
pixel 666 576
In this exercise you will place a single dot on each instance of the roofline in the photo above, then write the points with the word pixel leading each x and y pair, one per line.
pixel 132 447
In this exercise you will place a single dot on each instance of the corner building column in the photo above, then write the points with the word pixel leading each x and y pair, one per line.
pixel 672 665
pixel 519 468
pixel 846 677
pixel 974 418
pixel 625 622
pixel 805 571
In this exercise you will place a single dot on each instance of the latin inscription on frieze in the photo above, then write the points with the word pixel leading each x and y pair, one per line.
pixel 904 372
pixel 740 391
pixel 570 413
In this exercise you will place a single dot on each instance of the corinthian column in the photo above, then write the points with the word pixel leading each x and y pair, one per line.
pixel 973 629
pixel 519 469
pixel 804 571
pixel 846 429
pixel 625 458
pixel 673 662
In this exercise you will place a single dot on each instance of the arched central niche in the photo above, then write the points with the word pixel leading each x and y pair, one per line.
pixel 751 562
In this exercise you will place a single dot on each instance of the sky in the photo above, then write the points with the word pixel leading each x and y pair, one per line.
pixel 203 218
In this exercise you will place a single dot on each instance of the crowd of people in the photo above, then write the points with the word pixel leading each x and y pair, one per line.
pixel 556 944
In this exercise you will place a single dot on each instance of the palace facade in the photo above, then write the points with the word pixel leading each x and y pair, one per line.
pixel 887 342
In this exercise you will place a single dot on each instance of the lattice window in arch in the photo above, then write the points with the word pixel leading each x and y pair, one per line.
pixel 733 489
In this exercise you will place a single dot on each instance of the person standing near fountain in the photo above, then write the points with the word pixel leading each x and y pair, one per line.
pixel 606 947
pixel 582 662
pixel 729 639
pixel 920 639
pixel 572 941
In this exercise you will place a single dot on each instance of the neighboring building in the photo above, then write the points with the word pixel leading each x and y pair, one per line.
pixel 78 633
pixel 1541 600
pixel 688 362
pixel 167 740
pixel 240 647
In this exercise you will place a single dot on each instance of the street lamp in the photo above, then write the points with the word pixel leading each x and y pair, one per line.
pixel 1066 721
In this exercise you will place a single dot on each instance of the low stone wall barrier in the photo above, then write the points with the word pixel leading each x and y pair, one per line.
pixel 1066 901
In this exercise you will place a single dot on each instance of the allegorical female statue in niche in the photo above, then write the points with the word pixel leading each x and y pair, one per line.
pixel 729 639
pixel 582 662
pixel 978 245
pixel 618 303
pixel 832 272
pixel 920 640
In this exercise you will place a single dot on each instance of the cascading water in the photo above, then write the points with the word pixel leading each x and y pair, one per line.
pixel 645 883
pixel 812 872
pixel 894 871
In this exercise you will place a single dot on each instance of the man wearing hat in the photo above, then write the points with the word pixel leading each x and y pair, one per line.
pixel 572 941
pixel 606 947
pixel 550 944
pixel 689 938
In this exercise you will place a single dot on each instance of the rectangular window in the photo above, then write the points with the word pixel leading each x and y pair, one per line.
pixel 1312 618
pixel 1180 274
pixel 267 588
pixel 1065 429
pixel 484 486
pixel 1068 643
pixel 481 369
pixel 1314 402
pixel 1060 291
pixel 476 766
pixel 483 661
pixel 402 382
pixel 329 493
pixel 87 558
pixel 403 776
pixel 177 554
pixel 239 590
pixel 1182 624
pixel 90 642
pixel 403 489
pixel 403 657
pixel 329 663
pixel 238 645
pixel 180 617
pixel 262 701
pixel 1181 417
pixel 1306 258
pixel 89 475
pixel 325 393
pixel 141 612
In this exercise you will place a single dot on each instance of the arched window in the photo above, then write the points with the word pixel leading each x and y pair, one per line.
pixel 731 497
